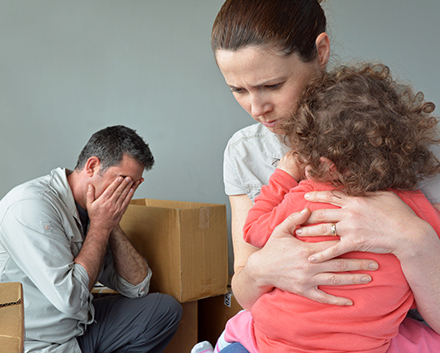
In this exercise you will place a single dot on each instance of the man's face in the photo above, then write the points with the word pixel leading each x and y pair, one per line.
pixel 127 168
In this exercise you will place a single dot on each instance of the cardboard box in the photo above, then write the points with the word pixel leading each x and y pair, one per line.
pixel 185 244
pixel 11 317
pixel 186 336
pixel 213 314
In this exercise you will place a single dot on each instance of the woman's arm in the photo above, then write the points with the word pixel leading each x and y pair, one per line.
pixel 383 223
pixel 283 263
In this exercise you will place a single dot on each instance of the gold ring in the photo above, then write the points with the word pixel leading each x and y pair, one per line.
pixel 333 230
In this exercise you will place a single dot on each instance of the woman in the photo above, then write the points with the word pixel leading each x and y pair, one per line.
pixel 266 51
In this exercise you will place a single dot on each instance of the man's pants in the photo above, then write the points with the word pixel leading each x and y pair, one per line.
pixel 124 325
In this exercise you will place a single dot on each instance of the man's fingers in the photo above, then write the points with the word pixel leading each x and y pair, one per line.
pixel 90 196
pixel 118 189
pixel 137 184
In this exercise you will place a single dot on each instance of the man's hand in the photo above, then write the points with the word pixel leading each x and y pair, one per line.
pixel 107 210
pixel 105 213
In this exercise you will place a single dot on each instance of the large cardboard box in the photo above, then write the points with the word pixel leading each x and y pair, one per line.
pixel 11 317
pixel 213 314
pixel 186 336
pixel 185 244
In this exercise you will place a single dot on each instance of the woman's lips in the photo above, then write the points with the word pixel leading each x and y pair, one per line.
pixel 270 123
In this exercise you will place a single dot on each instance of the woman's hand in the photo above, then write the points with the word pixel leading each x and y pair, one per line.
pixel 379 222
pixel 382 223
pixel 286 257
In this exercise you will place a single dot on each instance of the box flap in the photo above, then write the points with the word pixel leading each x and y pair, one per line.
pixel 10 292
pixel 12 317
pixel 179 205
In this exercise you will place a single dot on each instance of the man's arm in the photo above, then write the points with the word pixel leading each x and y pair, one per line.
pixel 105 214
pixel 129 264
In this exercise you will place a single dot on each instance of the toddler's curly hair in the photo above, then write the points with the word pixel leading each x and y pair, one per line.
pixel 375 131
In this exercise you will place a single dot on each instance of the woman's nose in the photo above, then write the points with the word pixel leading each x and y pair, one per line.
pixel 259 106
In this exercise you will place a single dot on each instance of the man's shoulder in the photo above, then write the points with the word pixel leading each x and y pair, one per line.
pixel 37 190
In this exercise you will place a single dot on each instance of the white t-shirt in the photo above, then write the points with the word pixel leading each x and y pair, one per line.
pixel 252 155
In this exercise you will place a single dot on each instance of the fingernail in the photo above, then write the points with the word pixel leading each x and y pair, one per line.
pixel 303 210
pixel 307 196
pixel 366 279
pixel 312 259
pixel 349 303
pixel 299 231
pixel 373 266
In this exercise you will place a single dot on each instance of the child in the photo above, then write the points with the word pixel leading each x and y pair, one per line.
pixel 357 130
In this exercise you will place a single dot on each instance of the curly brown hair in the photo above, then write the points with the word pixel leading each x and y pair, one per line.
pixel 375 131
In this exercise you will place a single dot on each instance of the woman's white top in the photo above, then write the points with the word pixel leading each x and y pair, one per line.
pixel 252 155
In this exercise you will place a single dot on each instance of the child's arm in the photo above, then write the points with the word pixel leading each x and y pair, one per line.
pixel 269 209
pixel 289 163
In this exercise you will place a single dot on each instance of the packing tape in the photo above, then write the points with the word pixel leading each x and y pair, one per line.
pixel 205 213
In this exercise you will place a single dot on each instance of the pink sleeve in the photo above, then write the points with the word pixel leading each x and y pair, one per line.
pixel 271 208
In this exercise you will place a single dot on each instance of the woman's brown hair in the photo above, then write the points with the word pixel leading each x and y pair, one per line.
pixel 288 26
pixel 375 131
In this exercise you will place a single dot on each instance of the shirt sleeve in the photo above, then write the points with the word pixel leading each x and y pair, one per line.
pixel 233 184
pixel 110 278
pixel 34 236
pixel 271 208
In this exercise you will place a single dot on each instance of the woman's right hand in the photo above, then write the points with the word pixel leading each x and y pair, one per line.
pixel 283 263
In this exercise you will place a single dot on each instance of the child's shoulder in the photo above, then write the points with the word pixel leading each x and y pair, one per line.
pixel 309 185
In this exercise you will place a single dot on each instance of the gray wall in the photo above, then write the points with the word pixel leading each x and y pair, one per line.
pixel 70 68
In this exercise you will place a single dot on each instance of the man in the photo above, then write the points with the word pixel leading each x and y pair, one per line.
pixel 60 234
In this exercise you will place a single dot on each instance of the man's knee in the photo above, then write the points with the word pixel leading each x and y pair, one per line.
pixel 169 310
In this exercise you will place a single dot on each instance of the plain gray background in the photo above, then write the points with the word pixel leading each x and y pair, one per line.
pixel 70 68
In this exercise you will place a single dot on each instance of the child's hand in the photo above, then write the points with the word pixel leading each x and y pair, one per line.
pixel 289 163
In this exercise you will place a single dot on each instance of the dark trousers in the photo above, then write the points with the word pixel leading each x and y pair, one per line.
pixel 124 325
pixel 234 348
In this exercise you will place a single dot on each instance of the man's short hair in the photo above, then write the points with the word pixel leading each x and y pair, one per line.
pixel 111 144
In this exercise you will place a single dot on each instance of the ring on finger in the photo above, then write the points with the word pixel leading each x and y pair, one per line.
pixel 333 230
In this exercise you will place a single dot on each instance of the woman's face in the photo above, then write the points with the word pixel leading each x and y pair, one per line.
pixel 266 84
